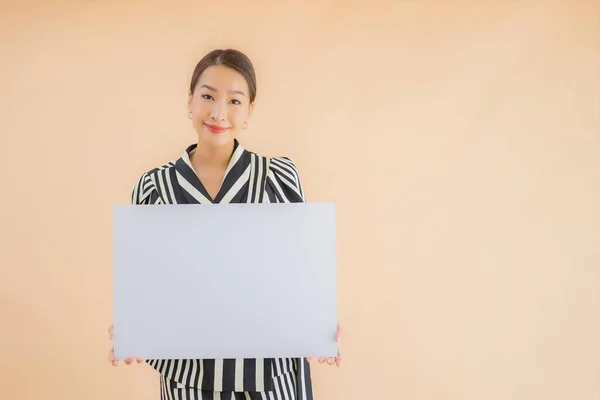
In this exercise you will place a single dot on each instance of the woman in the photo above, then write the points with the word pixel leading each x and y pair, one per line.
pixel 217 169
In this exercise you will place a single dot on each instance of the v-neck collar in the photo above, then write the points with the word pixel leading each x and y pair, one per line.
pixel 236 175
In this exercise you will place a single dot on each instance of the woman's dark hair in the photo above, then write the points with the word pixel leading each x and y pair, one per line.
pixel 229 58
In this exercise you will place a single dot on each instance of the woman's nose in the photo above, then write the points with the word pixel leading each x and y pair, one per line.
pixel 218 112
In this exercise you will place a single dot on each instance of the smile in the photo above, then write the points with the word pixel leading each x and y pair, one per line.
pixel 216 128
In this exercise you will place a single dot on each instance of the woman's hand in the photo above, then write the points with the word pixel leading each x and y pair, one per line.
pixel 111 352
pixel 334 360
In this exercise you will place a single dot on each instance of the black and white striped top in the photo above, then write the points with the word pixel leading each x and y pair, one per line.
pixel 249 178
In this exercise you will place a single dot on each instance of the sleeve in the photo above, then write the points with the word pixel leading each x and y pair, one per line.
pixel 142 190
pixel 304 386
pixel 286 186
pixel 284 180
pixel 141 195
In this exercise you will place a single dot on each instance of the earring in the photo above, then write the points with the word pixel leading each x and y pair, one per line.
pixel 190 115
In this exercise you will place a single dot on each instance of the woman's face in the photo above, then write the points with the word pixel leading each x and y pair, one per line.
pixel 220 105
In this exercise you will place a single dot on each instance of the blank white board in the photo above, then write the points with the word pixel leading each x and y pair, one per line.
pixel 225 281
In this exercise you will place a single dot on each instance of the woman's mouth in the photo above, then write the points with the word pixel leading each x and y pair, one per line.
pixel 216 128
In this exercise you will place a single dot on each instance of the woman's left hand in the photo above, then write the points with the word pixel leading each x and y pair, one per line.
pixel 334 360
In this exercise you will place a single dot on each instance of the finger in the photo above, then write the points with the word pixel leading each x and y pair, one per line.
pixel 111 332
pixel 321 360
pixel 308 359
pixel 338 333
pixel 128 360
pixel 338 360
pixel 115 363
pixel 140 360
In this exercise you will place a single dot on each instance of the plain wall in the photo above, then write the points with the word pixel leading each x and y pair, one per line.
pixel 459 139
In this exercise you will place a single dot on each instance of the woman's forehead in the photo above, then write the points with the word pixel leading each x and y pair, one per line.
pixel 220 78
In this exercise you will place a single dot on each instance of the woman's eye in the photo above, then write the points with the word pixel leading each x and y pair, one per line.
pixel 207 96
pixel 237 102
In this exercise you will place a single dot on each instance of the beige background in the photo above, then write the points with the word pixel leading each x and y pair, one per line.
pixel 460 141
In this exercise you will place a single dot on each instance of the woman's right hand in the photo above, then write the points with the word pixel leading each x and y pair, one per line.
pixel 111 352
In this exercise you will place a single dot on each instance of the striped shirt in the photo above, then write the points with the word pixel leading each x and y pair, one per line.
pixel 249 178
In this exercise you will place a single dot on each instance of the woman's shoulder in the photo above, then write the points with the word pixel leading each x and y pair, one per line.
pixel 146 182
pixel 149 175
pixel 160 168
pixel 284 177
pixel 278 166
pixel 283 166
pixel 154 170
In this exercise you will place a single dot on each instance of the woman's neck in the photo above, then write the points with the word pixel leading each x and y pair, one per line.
pixel 214 156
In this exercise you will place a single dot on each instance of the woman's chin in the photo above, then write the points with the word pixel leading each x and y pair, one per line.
pixel 216 139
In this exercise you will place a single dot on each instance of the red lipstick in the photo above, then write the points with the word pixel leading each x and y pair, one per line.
pixel 215 128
